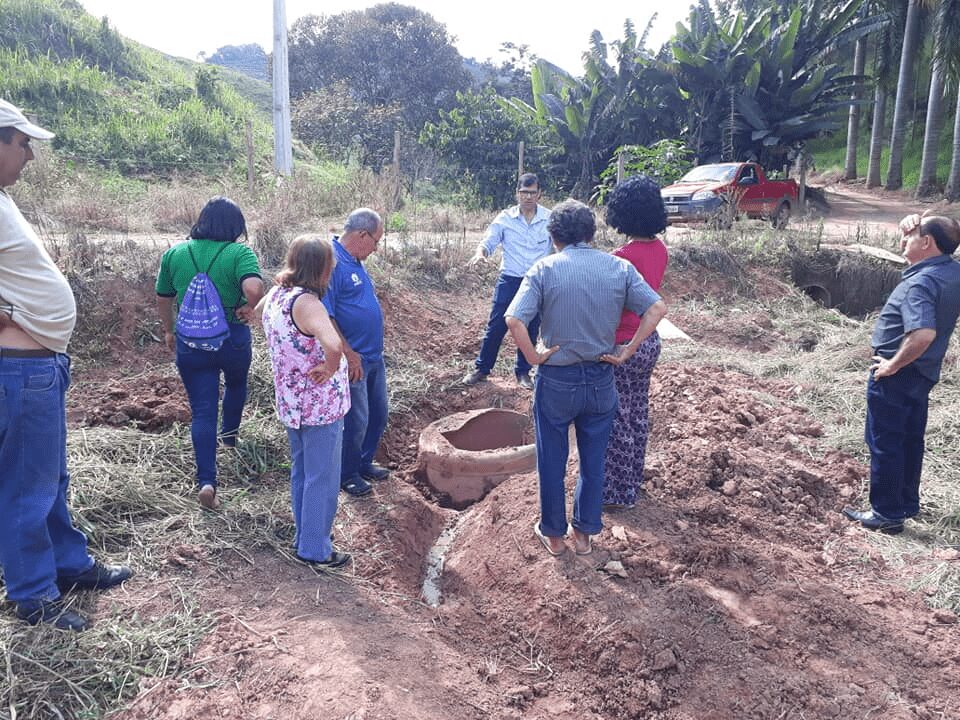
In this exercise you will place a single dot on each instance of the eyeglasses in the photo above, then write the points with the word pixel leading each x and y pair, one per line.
pixel 528 193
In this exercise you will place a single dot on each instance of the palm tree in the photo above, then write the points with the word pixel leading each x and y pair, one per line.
pixel 853 123
pixel 911 38
pixel 945 58
pixel 883 71
pixel 946 9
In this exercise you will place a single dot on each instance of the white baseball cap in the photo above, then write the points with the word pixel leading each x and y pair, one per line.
pixel 10 116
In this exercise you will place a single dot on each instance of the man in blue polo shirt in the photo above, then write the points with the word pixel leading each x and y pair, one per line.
pixel 352 303
pixel 909 342
pixel 581 293
pixel 521 232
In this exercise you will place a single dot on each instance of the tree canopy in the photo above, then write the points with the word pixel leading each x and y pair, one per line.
pixel 389 54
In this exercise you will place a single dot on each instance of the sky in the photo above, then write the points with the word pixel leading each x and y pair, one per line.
pixel 188 27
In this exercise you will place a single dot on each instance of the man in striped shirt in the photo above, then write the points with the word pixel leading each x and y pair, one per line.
pixel 521 232
pixel 580 293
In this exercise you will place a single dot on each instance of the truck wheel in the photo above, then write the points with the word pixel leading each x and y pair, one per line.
pixel 723 218
pixel 781 217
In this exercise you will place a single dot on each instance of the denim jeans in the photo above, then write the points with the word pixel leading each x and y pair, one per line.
pixel 364 424
pixel 896 423
pixel 503 293
pixel 200 371
pixel 37 538
pixel 583 394
pixel 315 486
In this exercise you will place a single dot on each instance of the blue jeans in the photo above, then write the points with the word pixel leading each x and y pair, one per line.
pixel 364 424
pixel 583 394
pixel 503 293
pixel 896 423
pixel 315 486
pixel 200 371
pixel 37 538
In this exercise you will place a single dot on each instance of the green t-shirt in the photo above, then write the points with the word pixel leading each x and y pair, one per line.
pixel 235 263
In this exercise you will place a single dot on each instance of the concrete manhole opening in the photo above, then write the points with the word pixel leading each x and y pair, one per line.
pixel 853 283
pixel 465 455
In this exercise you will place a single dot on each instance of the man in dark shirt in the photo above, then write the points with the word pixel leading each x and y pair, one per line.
pixel 909 342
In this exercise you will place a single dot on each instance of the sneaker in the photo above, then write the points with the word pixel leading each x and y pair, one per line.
pixel 98 577
pixel 53 613
pixel 524 381
pixel 358 487
pixel 375 472
pixel 472 378
pixel 208 497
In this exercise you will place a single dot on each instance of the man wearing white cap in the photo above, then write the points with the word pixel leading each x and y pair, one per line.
pixel 42 554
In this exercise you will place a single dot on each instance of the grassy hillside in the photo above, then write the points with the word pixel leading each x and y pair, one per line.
pixel 829 153
pixel 117 103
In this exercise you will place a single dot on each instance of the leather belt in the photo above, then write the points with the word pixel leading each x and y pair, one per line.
pixel 17 353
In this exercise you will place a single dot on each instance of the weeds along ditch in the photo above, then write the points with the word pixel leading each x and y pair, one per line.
pixel 133 491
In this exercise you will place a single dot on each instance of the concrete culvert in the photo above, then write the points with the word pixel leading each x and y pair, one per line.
pixel 819 294
pixel 853 283
pixel 465 455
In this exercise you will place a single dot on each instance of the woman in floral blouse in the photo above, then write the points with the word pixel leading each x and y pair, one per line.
pixel 312 390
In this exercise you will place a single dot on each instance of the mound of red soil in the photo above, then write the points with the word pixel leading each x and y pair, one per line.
pixel 734 590
pixel 150 401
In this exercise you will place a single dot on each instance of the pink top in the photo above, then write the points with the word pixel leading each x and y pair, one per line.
pixel 650 260
pixel 300 400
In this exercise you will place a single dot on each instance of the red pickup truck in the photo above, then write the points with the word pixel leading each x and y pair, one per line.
pixel 705 193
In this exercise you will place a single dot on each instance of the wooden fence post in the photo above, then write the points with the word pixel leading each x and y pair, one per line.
pixel 396 169
pixel 520 151
pixel 621 166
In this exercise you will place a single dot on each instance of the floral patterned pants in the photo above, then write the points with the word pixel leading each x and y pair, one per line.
pixel 628 442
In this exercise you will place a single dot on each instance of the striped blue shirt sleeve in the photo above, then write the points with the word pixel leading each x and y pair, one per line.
pixel 526 303
pixel 640 296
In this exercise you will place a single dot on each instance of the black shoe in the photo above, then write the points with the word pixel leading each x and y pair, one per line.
pixel 472 378
pixel 336 560
pixel 375 472
pixel 872 521
pixel 98 577
pixel 53 613
pixel 524 381
pixel 358 487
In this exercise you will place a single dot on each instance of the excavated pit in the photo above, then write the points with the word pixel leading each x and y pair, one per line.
pixel 464 456
pixel 854 283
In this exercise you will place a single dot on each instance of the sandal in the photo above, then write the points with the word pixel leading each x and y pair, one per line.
pixel 572 532
pixel 358 487
pixel 336 560
pixel 208 497
pixel 544 540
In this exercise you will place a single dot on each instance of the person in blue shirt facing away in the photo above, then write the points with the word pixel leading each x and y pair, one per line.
pixel 580 293
pixel 909 342
pixel 521 233
pixel 351 301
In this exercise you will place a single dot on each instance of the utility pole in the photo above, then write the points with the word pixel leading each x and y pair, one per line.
pixel 282 147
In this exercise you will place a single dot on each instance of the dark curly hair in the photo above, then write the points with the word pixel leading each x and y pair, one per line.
pixel 635 208
pixel 571 222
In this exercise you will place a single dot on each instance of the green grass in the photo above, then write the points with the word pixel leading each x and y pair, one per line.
pixel 115 103
pixel 830 153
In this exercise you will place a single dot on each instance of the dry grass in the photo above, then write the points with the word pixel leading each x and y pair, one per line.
pixel 133 492
pixel 831 383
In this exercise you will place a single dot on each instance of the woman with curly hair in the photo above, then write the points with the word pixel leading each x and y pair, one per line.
pixel 636 210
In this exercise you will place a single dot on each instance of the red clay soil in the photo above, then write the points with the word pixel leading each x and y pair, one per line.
pixel 733 590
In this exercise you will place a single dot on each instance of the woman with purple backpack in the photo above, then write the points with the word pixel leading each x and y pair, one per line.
pixel 216 283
